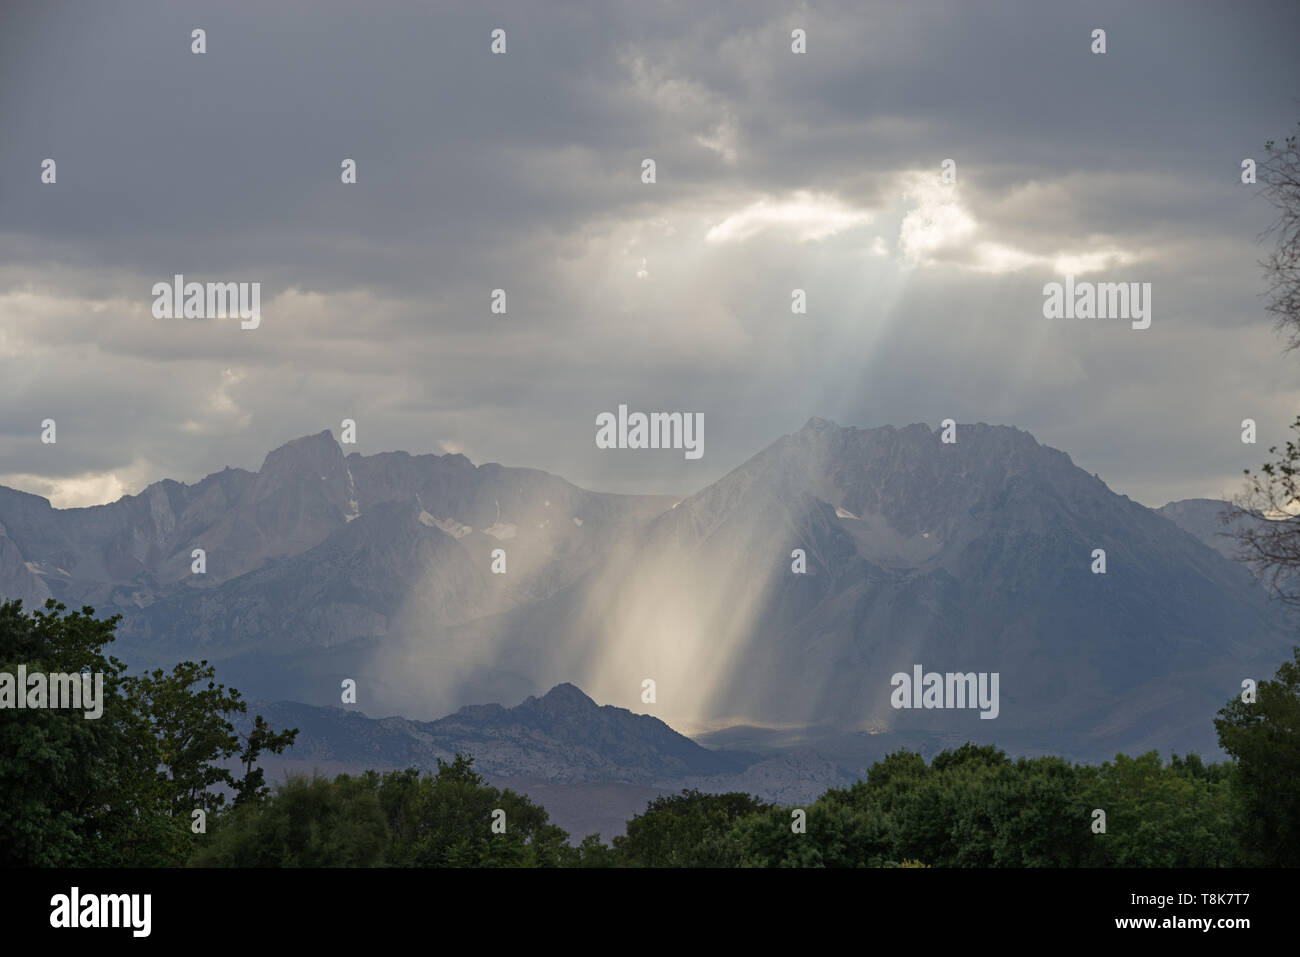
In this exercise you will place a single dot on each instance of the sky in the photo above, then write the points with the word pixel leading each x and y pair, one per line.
pixel 522 171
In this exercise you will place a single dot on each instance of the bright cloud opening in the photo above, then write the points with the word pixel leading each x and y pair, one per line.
pixel 803 217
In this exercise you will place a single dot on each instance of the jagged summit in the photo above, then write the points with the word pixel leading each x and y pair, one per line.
pixel 818 424
pixel 564 696
pixel 561 736
pixel 786 592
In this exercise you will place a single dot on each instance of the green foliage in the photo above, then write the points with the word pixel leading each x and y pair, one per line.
pixel 973 807
pixel 593 853
pixel 686 830
pixel 118 790
pixel 1264 738
pixel 398 819
pixel 1160 815
pixel 307 823
pixel 76 791
pixel 841 831
pixel 443 820
pixel 191 731
pixel 252 786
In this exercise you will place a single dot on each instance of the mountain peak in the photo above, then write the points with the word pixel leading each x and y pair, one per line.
pixel 308 480
pixel 818 424
pixel 322 441
pixel 319 454
pixel 566 696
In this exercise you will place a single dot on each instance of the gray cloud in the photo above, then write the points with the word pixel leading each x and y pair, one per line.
pixel 522 172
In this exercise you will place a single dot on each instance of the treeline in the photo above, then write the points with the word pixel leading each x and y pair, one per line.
pixel 124 791
pixel 971 807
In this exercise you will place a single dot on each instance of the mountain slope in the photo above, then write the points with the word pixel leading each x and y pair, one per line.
pixel 975 556
pixel 314 550
pixel 593 767
pixel 1203 519
pixel 561 736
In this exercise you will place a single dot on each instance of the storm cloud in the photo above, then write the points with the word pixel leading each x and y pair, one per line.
pixel 775 171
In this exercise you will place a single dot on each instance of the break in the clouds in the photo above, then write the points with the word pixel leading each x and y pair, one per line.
pixel 774 171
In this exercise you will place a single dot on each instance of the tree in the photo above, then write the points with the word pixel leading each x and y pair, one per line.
pixel 1264 516
pixel 305 823
pixel 1267 523
pixel 1160 815
pixel 445 820
pixel 593 852
pixel 117 790
pixel 261 738
pixel 188 713
pixel 690 829
pixel 77 791
pixel 844 828
pixel 1279 175
pixel 1264 738
pixel 192 731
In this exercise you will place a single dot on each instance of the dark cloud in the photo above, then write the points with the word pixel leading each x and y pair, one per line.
pixel 522 172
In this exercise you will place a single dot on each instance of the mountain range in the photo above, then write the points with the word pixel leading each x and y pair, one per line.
pixel 592 767
pixel 774 605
